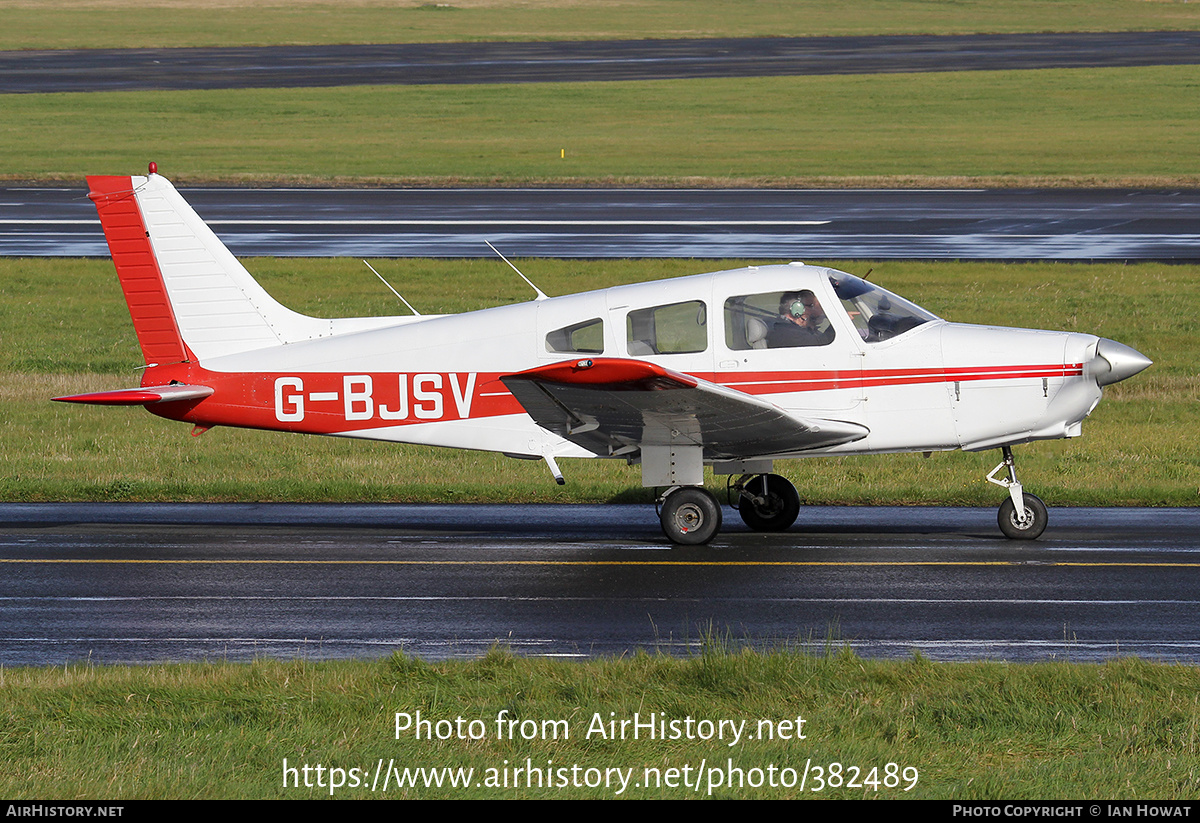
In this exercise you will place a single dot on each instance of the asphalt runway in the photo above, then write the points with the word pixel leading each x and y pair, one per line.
pixel 85 70
pixel 141 583
pixel 957 224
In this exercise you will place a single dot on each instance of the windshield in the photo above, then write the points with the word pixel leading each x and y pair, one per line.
pixel 877 313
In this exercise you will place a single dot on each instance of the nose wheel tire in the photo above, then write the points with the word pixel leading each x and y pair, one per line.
pixel 768 503
pixel 1029 527
pixel 690 516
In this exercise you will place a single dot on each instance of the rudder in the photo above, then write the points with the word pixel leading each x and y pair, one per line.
pixel 141 281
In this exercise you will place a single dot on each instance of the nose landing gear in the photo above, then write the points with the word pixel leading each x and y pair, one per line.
pixel 1022 516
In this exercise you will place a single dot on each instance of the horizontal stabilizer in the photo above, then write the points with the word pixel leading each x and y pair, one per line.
pixel 140 397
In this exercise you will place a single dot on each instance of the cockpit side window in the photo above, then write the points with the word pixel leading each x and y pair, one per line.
pixel 877 313
pixel 580 338
pixel 676 328
pixel 776 320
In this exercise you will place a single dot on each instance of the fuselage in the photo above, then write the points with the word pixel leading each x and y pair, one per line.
pixel 916 382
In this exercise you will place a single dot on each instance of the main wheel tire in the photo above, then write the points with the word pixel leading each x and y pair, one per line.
pixel 690 516
pixel 1029 527
pixel 779 508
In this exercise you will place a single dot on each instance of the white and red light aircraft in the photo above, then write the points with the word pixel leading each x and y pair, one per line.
pixel 732 369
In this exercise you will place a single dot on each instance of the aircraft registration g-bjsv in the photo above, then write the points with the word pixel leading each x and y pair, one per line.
pixel 731 369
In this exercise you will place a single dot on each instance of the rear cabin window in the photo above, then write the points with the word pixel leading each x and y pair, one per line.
pixel 676 328
pixel 776 320
pixel 581 338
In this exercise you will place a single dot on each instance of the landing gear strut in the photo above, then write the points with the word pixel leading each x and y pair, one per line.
pixel 690 515
pixel 766 502
pixel 1022 516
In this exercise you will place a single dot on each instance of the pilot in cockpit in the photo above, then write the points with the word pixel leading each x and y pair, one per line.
pixel 802 322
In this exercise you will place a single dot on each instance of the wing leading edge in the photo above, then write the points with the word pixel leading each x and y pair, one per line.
pixel 613 406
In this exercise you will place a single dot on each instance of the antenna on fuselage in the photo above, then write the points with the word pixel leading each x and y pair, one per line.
pixel 389 285
pixel 541 295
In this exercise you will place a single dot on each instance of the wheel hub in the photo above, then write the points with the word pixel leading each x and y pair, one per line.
pixel 689 517
pixel 767 505
pixel 1021 522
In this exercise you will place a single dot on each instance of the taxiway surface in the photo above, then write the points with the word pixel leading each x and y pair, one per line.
pixel 82 70
pixel 140 583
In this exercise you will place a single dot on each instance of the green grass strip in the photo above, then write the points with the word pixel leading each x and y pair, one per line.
pixel 1077 126
pixel 27 24
pixel 1123 730
pixel 55 24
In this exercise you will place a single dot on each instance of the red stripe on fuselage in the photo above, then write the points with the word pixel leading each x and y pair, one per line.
pixel 758 383
pixel 336 403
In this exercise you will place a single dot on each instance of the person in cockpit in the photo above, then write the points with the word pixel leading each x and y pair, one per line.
pixel 802 322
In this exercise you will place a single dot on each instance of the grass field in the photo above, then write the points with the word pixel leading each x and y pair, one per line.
pixel 984 731
pixel 64 329
pixel 53 24
pixel 995 128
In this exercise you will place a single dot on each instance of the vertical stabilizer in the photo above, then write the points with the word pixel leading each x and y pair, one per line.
pixel 186 292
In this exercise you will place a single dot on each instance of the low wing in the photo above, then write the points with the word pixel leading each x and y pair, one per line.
pixel 140 397
pixel 612 406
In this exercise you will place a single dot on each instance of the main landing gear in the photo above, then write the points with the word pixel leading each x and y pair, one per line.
pixel 1022 516
pixel 691 515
